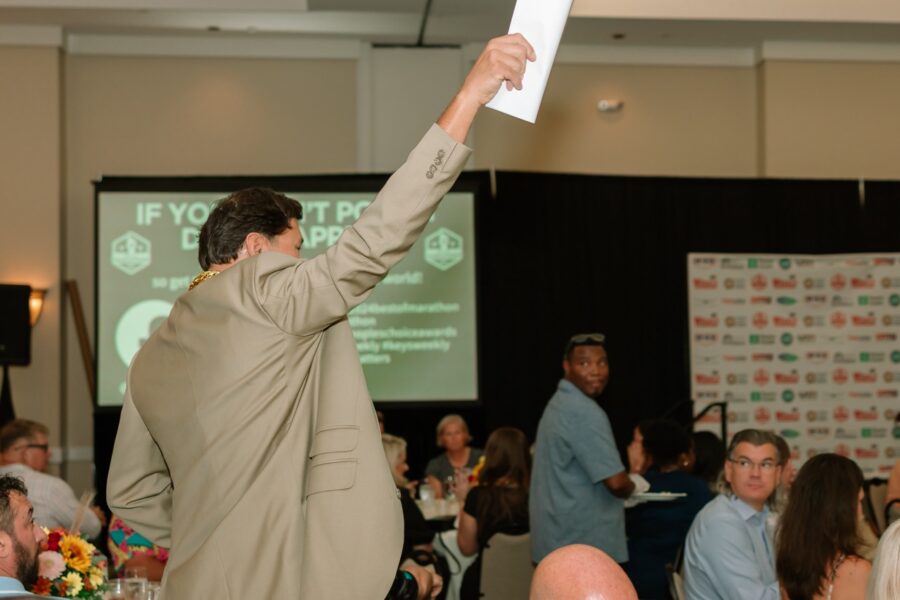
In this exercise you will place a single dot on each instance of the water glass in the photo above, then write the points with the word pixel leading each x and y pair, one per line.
pixel 135 583
pixel 115 590
pixel 426 494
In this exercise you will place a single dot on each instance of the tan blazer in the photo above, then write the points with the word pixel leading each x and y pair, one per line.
pixel 248 443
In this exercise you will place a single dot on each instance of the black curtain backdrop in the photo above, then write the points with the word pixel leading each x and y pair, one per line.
pixel 563 254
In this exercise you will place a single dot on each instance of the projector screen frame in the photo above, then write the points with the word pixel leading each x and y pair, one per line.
pixel 478 183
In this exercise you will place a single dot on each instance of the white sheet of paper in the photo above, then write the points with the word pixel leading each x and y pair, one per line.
pixel 542 23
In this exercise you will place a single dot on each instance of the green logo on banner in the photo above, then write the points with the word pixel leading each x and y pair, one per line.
pixel 752 263
pixel 784 263
pixel 895 356
pixel 864 357
pixel 863 300
pixel 787 396
pixel 895 300
pixel 790 433
pixel 755 396
pixel 787 357
pixel 866 432
pixel 787 339
pixel 786 300
pixel 754 339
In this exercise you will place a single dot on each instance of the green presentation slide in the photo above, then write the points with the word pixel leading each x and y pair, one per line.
pixel 415 333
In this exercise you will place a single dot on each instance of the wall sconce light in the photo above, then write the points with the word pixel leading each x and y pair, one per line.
pixel 36 304
pixel 610 106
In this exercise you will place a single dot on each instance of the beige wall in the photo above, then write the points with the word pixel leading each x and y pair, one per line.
pixel 177 116
pixel 832 119
pixel 30 215
pixel 691 121
pixel 184 116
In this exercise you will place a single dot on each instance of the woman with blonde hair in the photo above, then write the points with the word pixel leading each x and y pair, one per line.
pixel 453 436
pixel 884 581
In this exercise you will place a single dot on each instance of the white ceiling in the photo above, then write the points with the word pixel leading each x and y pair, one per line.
pixel 693 23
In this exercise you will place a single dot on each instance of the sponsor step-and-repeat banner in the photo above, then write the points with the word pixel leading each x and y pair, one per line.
pixel 805 346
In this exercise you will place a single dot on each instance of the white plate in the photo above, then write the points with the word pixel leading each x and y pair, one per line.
pixel 660 496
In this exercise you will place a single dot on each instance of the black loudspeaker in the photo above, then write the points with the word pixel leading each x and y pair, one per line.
pixel 15 325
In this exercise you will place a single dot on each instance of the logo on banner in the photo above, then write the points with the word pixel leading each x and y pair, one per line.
pixel 443 249
pixel 862 283
pixel 840 376
pixel 841 414
pixel 838 319
pixel 131 253
pixel 759 281
pixel 838 281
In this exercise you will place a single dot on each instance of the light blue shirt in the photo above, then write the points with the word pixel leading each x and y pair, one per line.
pixel 729 553
pixel 568 501
pixel 13 588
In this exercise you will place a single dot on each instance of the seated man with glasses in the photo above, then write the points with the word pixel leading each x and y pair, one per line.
pixel 729 552
pixel 25 453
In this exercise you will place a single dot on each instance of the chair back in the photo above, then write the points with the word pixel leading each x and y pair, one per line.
pixel 676 582
pixel 875 491
pixel 506 568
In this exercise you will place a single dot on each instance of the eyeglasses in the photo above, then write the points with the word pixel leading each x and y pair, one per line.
pixel 745 464
pixel 44 447
pixel 584 338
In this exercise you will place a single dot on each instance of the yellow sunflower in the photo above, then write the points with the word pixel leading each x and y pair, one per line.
pixel 76 552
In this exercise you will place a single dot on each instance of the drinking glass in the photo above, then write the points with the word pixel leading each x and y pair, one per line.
pixel 135 583
pixel 426 494
pixel 115 590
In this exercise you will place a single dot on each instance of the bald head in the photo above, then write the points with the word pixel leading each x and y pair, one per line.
pixel 580 572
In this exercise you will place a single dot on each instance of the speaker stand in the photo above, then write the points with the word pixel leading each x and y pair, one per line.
pixel 7 412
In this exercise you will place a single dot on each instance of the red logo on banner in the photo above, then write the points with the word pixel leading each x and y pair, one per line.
pixel 859 283
pixel 762 415
pixel 840 376
pixel 838 319
pixel 712 321
pixel 760 320
pixel 702 379
pixel 883 261
pixel 787 378
pixel 861 377
pixel 705 284
pixel 761 300
pixel 784 284
pixel 865 415
pixel 864 321
pixel 867 453
pixel 841 414
pixel 759 282
pixel 786 417
pixel 886 337
pixel 784 321
pixel 888 394
pixel 760 377
pixel 838 281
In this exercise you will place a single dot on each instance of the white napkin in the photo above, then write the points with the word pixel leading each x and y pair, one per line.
pixel 641 485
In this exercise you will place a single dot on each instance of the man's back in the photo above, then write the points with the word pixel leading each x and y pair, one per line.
pixel 252 400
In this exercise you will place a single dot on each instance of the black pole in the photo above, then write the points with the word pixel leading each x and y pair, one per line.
pixel 7 412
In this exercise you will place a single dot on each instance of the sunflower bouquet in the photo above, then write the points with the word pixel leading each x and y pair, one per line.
pixel 70 567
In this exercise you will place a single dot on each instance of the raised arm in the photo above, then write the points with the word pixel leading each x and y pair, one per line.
pixel 502 60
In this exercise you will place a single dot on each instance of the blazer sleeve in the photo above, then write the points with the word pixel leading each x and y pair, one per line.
pixel 139 488
pixel 308 296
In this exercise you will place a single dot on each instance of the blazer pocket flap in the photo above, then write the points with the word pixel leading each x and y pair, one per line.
pixel 335 439
pixel 331 476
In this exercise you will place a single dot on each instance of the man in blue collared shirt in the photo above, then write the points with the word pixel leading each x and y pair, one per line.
pixel 729 554
pixel 578 479
pixel 20 539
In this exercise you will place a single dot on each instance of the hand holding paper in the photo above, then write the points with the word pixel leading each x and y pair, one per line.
pixel 542 23
pixel 502 60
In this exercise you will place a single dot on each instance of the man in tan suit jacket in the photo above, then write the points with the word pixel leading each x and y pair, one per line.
pixel 248 444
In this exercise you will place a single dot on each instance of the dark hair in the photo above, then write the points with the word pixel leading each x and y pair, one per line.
pixel 818 524
pixel 784 451
pixel 20 429
pixel 709 455
pixel 665 441
pixel 504 479
pixel 9 485
pixel 757 437
pixel 258 210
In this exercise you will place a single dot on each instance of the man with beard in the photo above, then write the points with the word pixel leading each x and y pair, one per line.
pixel 578 479
pixel 20 540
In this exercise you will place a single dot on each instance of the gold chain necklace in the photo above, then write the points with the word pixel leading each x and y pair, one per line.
pixel 202 277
